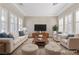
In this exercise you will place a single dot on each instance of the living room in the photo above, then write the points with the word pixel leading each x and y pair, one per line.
pixel 39 28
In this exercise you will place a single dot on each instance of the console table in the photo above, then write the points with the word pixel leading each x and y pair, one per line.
pixel 40 35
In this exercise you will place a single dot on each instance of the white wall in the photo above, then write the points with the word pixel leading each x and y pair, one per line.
pixel 30 21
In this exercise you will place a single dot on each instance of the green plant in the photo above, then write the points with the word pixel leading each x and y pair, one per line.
pixel 55 28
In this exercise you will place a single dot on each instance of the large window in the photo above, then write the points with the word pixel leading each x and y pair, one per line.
pixel 13 23
pixel 61 25
pixel 68 23
pixel 9 21
pixel 20 24
pixel 3 20
pixel 77 21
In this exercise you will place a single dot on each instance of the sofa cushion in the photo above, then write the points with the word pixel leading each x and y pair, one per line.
pixel 21 33
pixel 16 41
pixel 10 36
pixel 70 35
pixel 14 34
pixel 3 35
pixel 65 41
pixel 59 32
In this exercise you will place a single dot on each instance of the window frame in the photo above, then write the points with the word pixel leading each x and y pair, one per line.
pixel 68 22
pixel 61 24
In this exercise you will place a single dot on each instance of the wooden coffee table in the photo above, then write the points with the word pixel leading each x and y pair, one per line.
pixel 40 41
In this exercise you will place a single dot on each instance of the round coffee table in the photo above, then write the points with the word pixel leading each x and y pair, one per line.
pixel 52 49
pixel 29 49
pixel 40 41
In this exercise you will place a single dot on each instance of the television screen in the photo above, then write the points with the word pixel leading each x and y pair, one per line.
pixel 40 27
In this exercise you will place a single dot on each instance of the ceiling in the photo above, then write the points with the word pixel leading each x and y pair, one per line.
pixel 42 9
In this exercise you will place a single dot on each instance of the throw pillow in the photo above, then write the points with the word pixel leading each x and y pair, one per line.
pixel 10 36
pixel 21 33
pixel 3 35
pixel 70 35
pixel 59 32
pixel 14 34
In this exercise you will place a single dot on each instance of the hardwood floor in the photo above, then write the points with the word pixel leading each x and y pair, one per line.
pixel 42 51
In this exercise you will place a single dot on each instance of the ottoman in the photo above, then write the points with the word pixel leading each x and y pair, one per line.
pixel 52 49
pixel 29 49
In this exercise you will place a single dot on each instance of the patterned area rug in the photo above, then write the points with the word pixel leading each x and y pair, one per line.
pixel 41 51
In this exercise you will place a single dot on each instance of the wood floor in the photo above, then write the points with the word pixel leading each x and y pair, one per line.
pixel 42 51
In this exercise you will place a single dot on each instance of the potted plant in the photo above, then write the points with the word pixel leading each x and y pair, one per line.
pixel 55 28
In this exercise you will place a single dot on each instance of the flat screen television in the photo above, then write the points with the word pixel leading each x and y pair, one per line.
pixel 40 27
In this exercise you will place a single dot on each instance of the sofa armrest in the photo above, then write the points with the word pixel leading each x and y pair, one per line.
pixel 9 44
pixel 74 42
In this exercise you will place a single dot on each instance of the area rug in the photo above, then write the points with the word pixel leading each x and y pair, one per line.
pixel 42 51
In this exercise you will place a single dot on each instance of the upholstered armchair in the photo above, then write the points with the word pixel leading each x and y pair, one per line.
pixel 70 43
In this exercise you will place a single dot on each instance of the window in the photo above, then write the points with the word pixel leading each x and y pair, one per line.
pixel 77 21
pixel 68 23
pixel 20 24
pixel 61 25
pixel 3 20
pixel 13 23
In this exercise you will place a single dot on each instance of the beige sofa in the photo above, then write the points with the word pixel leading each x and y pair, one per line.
pixel 12 44
pixel 70 43
pixel 58 37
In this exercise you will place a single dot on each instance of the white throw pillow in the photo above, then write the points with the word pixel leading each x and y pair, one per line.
pixel 15 34
pixel 40 35
pixel 39 38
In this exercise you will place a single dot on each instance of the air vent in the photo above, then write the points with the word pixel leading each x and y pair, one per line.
pixel 21 4
pixel 54 4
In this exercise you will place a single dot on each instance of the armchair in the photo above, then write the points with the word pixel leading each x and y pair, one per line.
pixel 70 43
